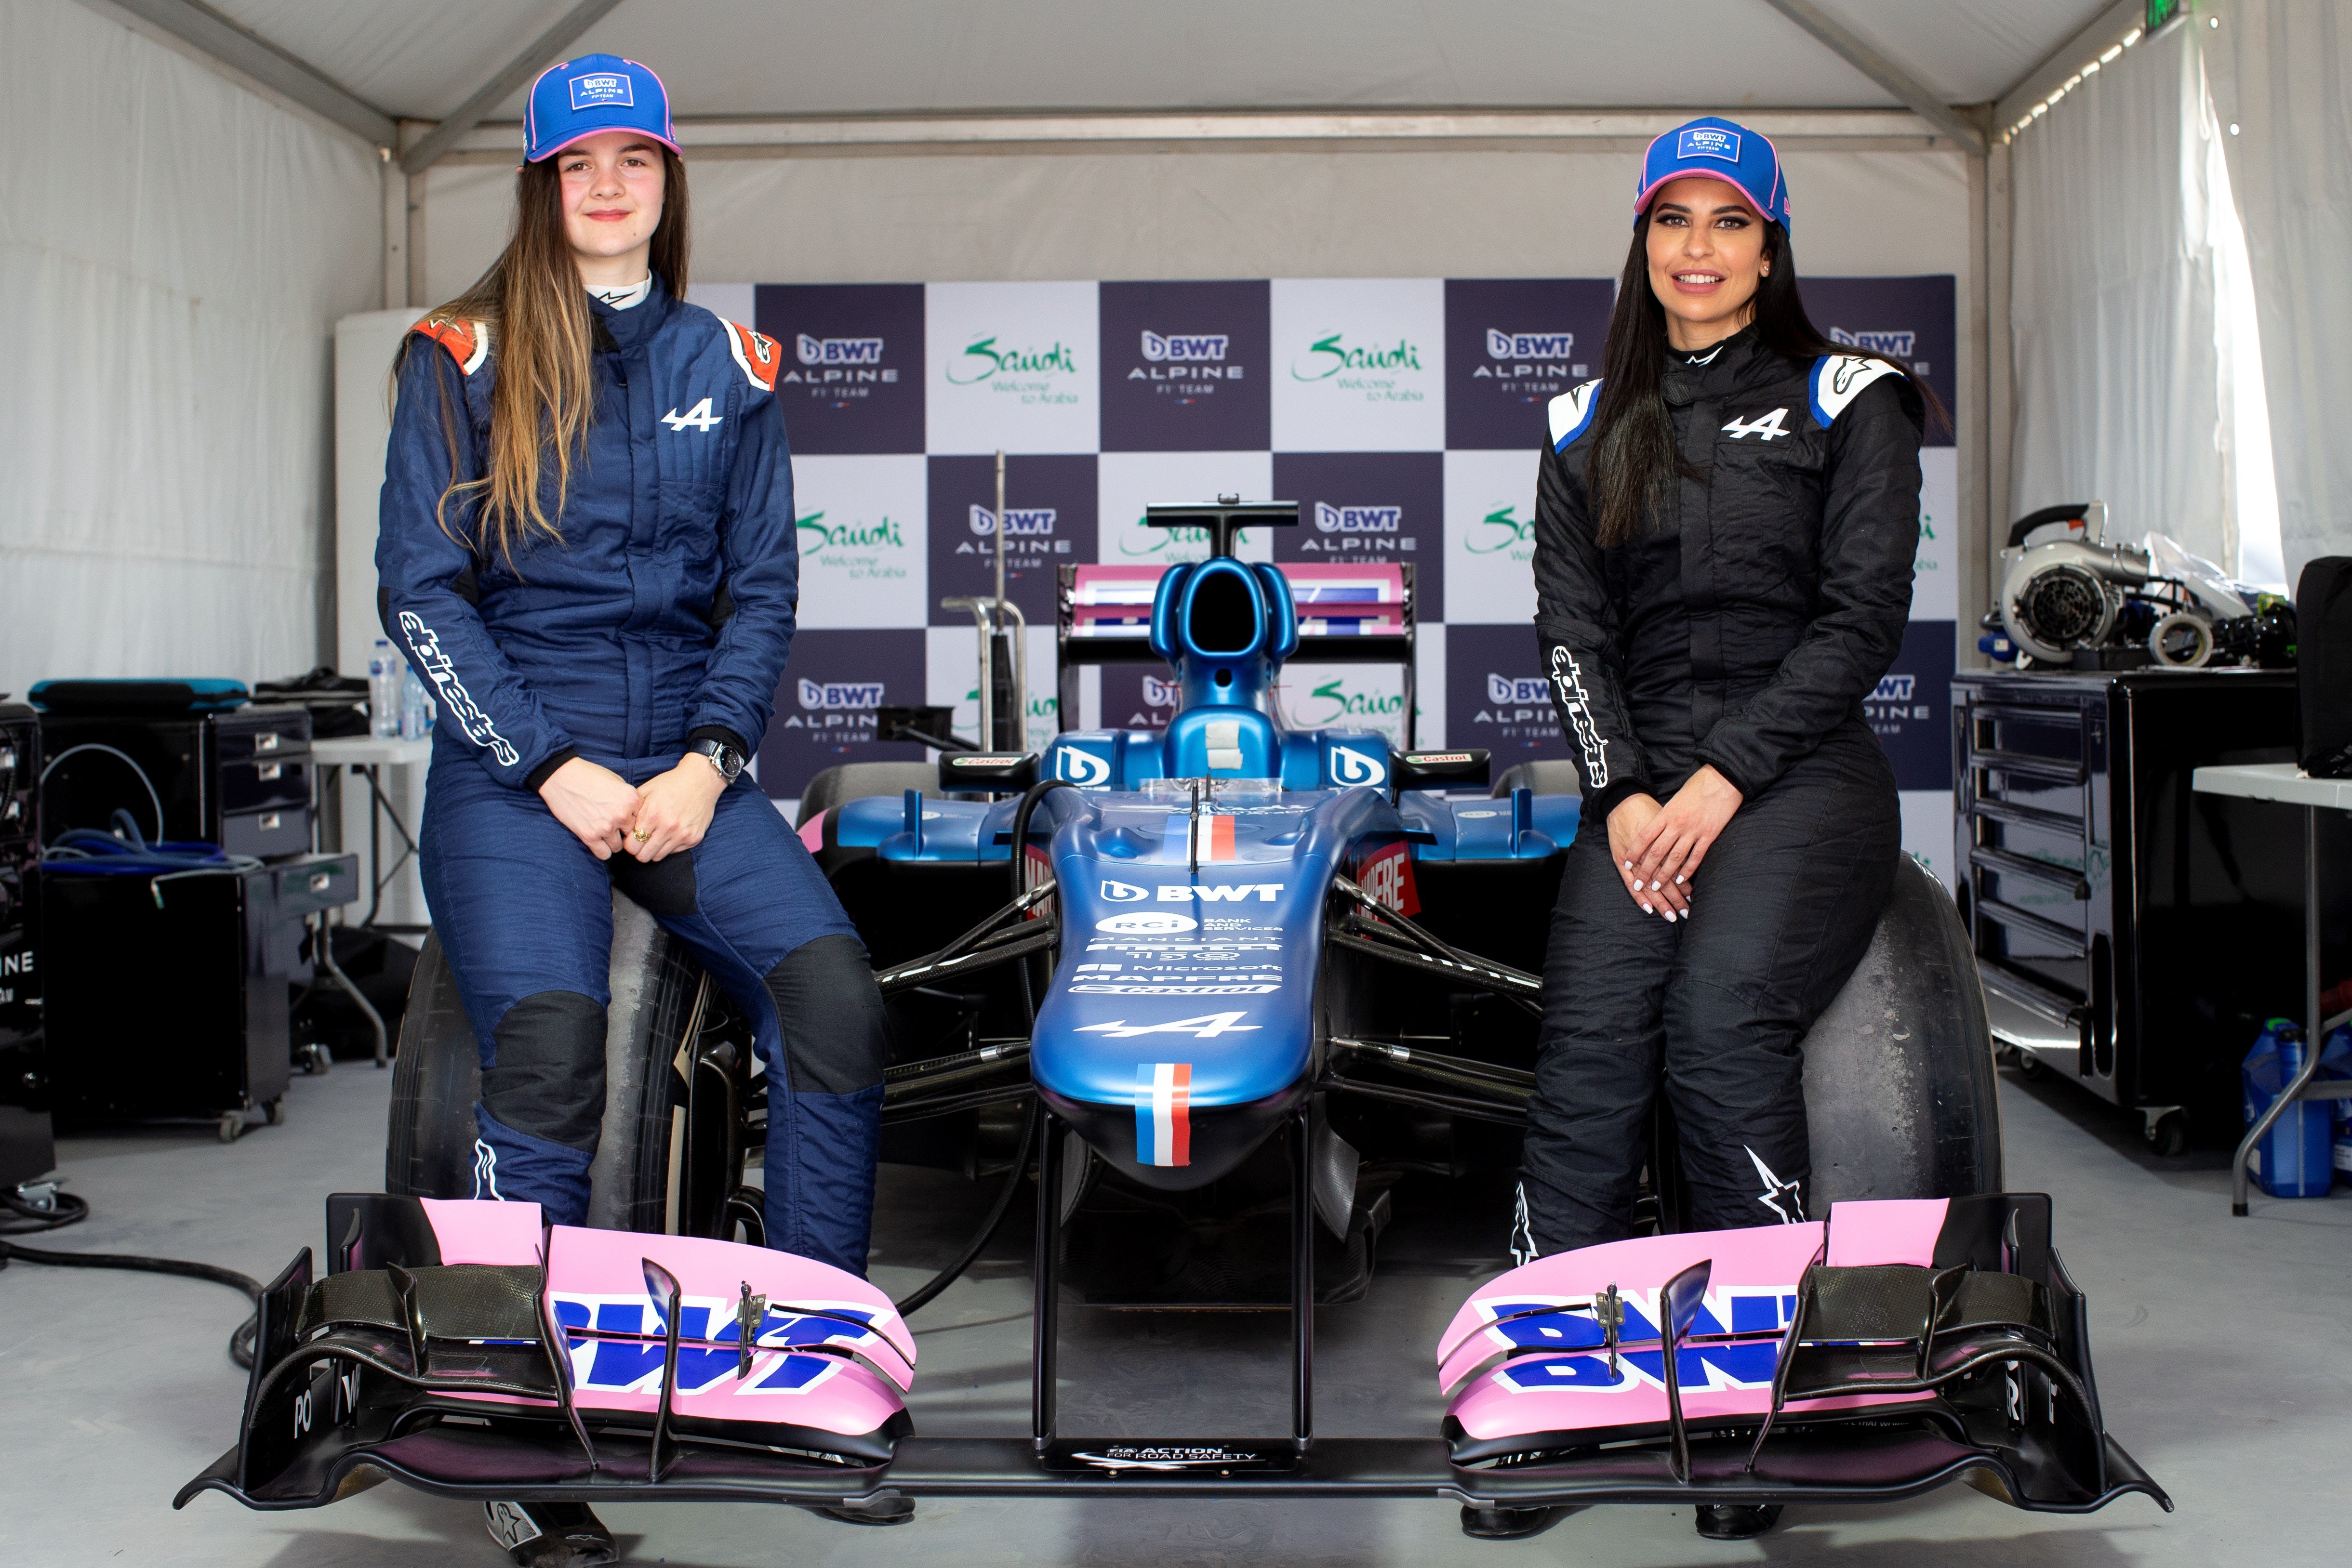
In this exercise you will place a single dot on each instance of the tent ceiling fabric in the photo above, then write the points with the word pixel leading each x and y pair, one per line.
pixel 420 58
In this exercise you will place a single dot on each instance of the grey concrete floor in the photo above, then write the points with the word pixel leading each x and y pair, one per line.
pixel 2218 1346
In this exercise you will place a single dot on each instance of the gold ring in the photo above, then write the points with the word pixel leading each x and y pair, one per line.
pixel 641 835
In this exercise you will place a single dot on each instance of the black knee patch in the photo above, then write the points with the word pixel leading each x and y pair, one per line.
pixel 831 1016
pixel 548 1080
pixel 665 887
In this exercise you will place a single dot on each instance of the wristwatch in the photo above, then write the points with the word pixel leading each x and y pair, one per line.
pixel 721 756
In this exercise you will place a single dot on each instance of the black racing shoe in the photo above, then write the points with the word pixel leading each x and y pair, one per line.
pixel 550 1534
pixel 1736 1520
pixel 1509 1524
pixel 893 1508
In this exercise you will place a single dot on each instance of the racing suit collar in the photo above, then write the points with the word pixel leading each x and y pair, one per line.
pixel 634 327
pixel 1712 371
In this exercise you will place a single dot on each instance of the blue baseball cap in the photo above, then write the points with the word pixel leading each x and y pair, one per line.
pixel 594 94
pixel 1717 149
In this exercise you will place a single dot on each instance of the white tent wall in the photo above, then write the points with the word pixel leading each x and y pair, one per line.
pixel 175 250
pixel 2113 305
pixel 2279 71
pixel 1221 215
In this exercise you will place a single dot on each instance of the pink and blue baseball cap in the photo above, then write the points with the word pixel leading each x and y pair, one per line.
pixel 1717 149
pixel 589 96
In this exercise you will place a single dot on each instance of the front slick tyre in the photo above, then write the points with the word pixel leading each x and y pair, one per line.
pixel 550 1534
pixel 1736 1520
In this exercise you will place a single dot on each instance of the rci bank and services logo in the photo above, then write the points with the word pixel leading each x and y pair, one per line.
pixel 1500 531
pixel 1033 374
pixel 860 552
pixel 1379 370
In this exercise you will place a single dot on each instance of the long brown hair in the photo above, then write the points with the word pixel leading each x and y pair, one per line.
pixel 544 397
pixel 1633 460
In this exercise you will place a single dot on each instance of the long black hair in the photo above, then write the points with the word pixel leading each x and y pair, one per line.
pixel 1633 459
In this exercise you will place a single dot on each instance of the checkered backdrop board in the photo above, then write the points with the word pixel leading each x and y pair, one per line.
pixel 1404 414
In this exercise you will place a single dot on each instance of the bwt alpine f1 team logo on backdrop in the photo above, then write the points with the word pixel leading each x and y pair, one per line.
pixel 1180 349
pixel 1020 522
pixel 1501 345
pixel 852 695
pixel 839 352
pixel 1893 345
pixel 1517 691
pixel 1331 519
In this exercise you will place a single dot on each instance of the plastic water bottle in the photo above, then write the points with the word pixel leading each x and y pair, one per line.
pixel 384 691
pixel 417 712
pixel 2296 1156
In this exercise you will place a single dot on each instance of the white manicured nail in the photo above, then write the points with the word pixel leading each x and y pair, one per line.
pixel 1647 910
pixel 1678 879
pixel 1654 887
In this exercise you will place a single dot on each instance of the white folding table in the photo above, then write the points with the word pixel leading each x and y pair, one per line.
pixel 2288 785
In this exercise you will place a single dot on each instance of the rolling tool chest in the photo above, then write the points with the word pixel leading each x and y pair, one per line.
pixel 26 1149
pixel 240 779
pixel 2132 934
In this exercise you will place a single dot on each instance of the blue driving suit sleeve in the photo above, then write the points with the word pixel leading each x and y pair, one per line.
pixel 761 558
pixel 427 584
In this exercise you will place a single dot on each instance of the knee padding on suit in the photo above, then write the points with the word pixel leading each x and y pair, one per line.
pixel 547 1074
pixel 830 1016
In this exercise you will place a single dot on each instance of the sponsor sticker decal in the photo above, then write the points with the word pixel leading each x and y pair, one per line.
pixel 1164 1113
pixel 1147 923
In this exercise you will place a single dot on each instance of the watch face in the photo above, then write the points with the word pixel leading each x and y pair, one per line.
pixel 730 761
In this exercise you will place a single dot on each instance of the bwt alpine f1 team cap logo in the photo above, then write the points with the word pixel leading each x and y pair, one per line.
pixel 1331 519
pixel 594 94
pixel 1719 149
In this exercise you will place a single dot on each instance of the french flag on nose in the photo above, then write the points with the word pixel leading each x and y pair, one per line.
pixel 1163 1113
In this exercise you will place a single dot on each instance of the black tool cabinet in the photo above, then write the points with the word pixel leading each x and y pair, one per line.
pixel 240 779
pixel 2131 933
pixel 26 1149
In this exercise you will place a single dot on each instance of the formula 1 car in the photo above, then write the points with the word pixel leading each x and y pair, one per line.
pixel 1185 974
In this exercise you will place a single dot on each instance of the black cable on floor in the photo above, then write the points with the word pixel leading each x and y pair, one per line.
pixel 26 1219
pixel 948 1276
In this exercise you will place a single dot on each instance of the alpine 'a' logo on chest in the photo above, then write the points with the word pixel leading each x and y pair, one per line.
pixel 1764 426
pixel 699 417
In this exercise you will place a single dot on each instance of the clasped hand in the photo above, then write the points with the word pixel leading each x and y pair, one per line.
pixel 668 812
pixel 1657 849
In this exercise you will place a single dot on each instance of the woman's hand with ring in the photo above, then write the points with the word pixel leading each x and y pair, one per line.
pixel 595 803
pixel 1667 853
pixel 674 809
pixel 1629 826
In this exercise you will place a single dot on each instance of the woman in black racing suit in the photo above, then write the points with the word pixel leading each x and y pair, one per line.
pixel 1724 530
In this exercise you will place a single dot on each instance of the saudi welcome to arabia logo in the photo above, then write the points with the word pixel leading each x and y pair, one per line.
pixel 816 534
pixel 1503 531
pixel 983 359
pixel 1333 355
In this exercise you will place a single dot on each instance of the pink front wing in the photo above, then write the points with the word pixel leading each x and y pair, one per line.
pixel 484 1231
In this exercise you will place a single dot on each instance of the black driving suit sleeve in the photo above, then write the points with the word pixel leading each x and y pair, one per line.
pixel 1869 540
pixel 1578 627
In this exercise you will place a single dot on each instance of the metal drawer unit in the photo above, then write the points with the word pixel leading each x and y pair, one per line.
pixel 240 779
pixel 2131 933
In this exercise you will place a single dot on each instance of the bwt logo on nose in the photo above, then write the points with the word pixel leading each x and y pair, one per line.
pixel 1160 692
pixel 1517 689
pixel 1030 522
pixel 1893 345
pixel 1893 689
pixel 839 350
pixel 840 694
pixel 1528 345
pixel 1184 349
pixel 1331 519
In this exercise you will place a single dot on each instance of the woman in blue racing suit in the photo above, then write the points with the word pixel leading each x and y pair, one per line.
pixel 587 553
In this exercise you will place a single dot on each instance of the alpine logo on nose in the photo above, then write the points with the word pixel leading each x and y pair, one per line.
pixel 699 417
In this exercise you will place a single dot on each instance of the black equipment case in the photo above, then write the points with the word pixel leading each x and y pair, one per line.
pixel 2132 934
pixel 26 1148
pixel 2323 608
pixel 240 779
